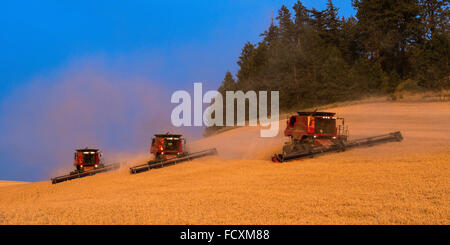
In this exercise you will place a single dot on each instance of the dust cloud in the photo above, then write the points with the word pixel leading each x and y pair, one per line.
pixel 394 183
pixel 84 105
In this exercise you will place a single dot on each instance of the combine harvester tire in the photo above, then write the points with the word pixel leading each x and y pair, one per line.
pixel 341 146
pixel 164 163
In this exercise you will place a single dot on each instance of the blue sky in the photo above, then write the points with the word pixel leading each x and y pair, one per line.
pixel 39 37
pixel 168 44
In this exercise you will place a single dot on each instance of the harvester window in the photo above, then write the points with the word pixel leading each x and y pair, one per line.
pixel 88 158
pixel 292 121
pixel 171 145
pixel 325 126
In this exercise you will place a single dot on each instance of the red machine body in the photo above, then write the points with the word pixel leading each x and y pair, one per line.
pixel 87 159
pixel 87 162
pixel 320 128
pixel 169 149
pixel 315 133
pixel 167 146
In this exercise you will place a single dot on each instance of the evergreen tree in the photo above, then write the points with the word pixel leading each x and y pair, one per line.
pixel 286 25
pixel 245 64
pixel 228 83
pixel 386 31
pixel 314 58
pixel 332 24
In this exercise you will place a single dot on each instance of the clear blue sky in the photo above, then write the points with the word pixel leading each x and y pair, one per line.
pixel 38 37
pixel 170 43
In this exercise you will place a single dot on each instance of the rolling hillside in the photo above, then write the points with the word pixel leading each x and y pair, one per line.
pixel 394 183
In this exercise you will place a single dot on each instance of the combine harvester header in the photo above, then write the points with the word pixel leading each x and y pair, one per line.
pixel 87 162
pixel 169 149
pixel 316 133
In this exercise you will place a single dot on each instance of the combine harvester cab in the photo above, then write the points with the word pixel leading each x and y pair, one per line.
pixel 169 149
pixel 316 133
pixel 87 162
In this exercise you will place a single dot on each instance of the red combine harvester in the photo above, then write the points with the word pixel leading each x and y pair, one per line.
pixel 315 133
pixel 87 162
pixel 167 146
pixel 169 149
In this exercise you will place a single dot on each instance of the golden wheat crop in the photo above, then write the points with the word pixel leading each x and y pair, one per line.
pixel 394 183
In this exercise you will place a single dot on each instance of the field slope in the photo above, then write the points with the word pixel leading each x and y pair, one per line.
pixel 394 183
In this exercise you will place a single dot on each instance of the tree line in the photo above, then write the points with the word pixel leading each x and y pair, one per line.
pixel 315 57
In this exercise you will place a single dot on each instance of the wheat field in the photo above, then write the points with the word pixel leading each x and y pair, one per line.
pixel 393 183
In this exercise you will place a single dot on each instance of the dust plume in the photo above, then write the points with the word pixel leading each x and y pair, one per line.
pixel 394 183
pixel 84 105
